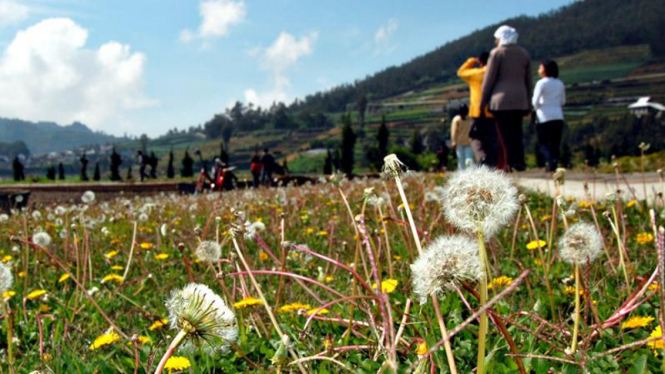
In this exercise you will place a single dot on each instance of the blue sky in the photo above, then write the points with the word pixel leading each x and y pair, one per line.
pixel 146 66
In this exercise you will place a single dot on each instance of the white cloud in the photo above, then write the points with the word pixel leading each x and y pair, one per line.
pixel 46 73
pixel 11 12
pixel 383 43
pixel 283 53
pixel 217 17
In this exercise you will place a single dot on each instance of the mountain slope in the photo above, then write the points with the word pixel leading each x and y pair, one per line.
pixel 45 137
pixel 583 25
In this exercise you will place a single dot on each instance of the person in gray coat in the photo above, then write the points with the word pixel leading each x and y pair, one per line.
pixel 507 91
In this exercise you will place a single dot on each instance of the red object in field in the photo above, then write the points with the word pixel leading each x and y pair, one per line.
pixel 255 167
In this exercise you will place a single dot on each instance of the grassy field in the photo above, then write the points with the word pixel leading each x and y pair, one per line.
pixel 91 299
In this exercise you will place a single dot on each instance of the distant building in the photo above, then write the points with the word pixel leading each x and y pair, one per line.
pixel 644 106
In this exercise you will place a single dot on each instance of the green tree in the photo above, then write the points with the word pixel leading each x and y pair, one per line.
pixel 328 163
pixel 382 137
pixel 170 171
pixel 416 143
pixel 61 171
pixel 97 176
pixel 144 143
pixel 348 145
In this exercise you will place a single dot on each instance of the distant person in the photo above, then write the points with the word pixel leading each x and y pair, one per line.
pixel 549 96
pixel 116 161
pixel 84 168
pixel 255 167
pixel 487 147
pixel 230 181
pixel 153 162
pixel 217 172
pixel 459 137
pixel 442 157
pixel 19 169
pixel 141 160
pixel 507 90
pixel 268 162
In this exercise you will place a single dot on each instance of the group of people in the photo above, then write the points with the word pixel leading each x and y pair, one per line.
pixel 489 130
pixel 222 176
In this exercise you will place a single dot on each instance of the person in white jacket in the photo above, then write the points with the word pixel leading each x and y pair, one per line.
pixel 549 96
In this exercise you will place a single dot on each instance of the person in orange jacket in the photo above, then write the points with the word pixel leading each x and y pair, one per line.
pixel 485 139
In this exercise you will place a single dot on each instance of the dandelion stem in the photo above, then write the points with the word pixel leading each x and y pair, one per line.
pixel 407 209
pixel 444 335
pixel 482 334
pixel 9 319
pixel 131 253
pixel 169 351
pixel 576 326
pixel 615 228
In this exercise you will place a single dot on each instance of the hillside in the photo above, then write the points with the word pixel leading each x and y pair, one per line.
pixel 46 137
pixel 580 26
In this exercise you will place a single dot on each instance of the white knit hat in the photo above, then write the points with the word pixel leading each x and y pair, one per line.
pixel 506 35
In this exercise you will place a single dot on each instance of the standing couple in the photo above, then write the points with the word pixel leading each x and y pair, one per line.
pixel 501 95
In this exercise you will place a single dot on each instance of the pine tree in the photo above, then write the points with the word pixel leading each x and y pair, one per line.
pixel 348 145
pixel 61 171
pixel 416 143
pixel 328 163
pixel 50 173
pixel 170 171
pixel 382 137
pixel 97 176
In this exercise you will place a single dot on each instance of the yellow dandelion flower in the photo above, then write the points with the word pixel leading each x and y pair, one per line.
pixel 162 256
pixel 328 278
pixel 585 204
pixel 388 285
pixel 546 218
pixel 8 294
pixel 317 312
pixel 64 277
pixel 44 308
pixel 535 243
pixel 259 219
pixel 309 230
pixel 656 344
pixel 158 324
pixel 112 277
pixel 637 321
pixel 293 307
pixel 263 256
pixel 115 241
pixel 144 340
pixel 6 259
pixel 304 217
pixel 47 357
pixel 21 274
pixel 248 301
pixel 644 238
pixel 323 233
pixel 631 203
pixel 538 262
pixel 177 363
pixel 653 286
pixel 146 245
pixel 111 254
pixel 36 294
pixel 421 348
pixel 570 290
pixel 499 282
pixel 397 258
pixel 116 267
pixel 104 339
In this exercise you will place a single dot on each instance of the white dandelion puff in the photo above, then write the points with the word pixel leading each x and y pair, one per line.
pixel 203 315
pixel 251 229
pixel 36 215
pixel 579 243
pixel 392 167
pixel 41 238
pixel 445 262
pixel 479 198
pixel 208 251
pixel 4 218
pixel 88 197
pixel 6 278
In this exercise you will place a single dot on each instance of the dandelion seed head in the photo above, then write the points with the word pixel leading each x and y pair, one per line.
pixel 36 215
pixel 208 251
pixel 479 198
pixel 253 228
pixel 6 278
pixel 579 243
pixel 445 262
pixel 392 166
pixel 4 218
pixel 41 238
pixel 205 317
pixel 88 197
